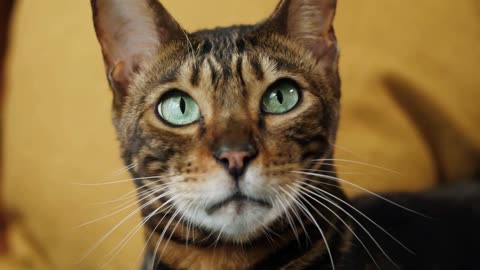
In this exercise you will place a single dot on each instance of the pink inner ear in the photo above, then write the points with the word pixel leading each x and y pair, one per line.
pixel 129 33
pixel 309 22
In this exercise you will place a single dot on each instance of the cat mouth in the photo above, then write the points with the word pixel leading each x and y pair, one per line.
pixel 240 199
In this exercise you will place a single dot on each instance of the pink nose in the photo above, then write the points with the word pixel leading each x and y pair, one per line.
pixel 235 161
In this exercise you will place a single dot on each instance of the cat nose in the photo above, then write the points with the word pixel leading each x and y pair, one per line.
pixel 235 161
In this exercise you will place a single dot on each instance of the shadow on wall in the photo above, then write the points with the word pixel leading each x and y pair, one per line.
pixel 6 7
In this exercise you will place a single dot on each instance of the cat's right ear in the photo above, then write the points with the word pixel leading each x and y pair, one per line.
pixel 129 31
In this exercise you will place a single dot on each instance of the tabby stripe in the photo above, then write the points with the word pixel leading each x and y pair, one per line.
pixel 170 76
pixel 194 79
pixel 240 70
pixel 213 71
pixel 226 67
pixel 206 47
pixel 307 143
pixel 257 68
pixel 285 65
pixel 240 45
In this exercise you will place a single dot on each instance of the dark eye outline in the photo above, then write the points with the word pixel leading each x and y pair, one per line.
pixel 168 94
pixel 275 84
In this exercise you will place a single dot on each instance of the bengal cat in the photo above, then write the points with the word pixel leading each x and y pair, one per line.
pixel 228 134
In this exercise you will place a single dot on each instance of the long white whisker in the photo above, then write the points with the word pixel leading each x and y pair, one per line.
pixel 300 196
pixel 134 193
pixel 118 211
pixel 144 194
pixel 177 211
pixel 130 235
pixel 190 48
pixel 359 163
pixel 362 214
pixel 341 220
pixel 326 171
pixel 219 236
pixel 323 176
pixel 290 219
pixel 182 216
pixel 359 224
pixel 344 149
pixel 167 211
pixel 124 180
pixel 316 224
pixel 124 169
pixel 102 239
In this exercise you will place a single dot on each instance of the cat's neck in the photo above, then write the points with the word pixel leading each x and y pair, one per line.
pixel 288 253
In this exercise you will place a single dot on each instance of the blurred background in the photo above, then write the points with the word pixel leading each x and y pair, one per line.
pixel 410 116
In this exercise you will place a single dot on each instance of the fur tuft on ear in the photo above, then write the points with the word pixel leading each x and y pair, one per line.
pixel 129 31
pixel 310 23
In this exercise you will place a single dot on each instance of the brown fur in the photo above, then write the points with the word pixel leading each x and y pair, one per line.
pixel 226 71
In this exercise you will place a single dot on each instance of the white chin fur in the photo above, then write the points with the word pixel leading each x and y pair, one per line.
pixel 237 221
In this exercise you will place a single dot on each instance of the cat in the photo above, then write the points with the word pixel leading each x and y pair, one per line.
pixel 229 133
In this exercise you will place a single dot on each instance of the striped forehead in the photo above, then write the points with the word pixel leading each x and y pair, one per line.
pixel 224 68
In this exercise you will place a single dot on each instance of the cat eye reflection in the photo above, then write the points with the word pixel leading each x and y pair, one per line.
pixel 178 108
pixel 280 98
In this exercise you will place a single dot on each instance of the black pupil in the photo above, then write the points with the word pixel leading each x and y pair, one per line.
pixel 280 97
pixel 182 105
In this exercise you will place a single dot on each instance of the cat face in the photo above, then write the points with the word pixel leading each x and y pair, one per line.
pixel 217 122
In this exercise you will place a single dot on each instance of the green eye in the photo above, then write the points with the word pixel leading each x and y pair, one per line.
pixel 281 97
pixel 178 108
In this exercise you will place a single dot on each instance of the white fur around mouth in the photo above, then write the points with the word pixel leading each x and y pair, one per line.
pixel 237 202
pixel 235 219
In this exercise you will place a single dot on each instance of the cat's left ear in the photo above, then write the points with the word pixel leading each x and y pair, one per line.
pixel 309 23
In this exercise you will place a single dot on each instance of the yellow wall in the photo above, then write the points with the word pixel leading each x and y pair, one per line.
pixel 58 130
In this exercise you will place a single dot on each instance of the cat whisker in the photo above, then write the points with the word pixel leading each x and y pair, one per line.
pixel 124 169
pixel 125 180
pixel 344 149
pixel 214 244
pixel 310 216
pixel 141 195
pixel 332 164
pixel 120 210
pixel 154 230
pixel 341 220
pixel 144 186
pixel 190 226
pixel 156 211
pixel 359 224
pixel 134 198
pixel 362 214
pixel 127 200
pixel 331 178
pixel 358 163
pixel 267 231
pixel 290 220
pixel 175 214
pixel 190 47
pixel 182 216
pixel 327 171
pixel 118 248
pixel 102 239
pixel 300 196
